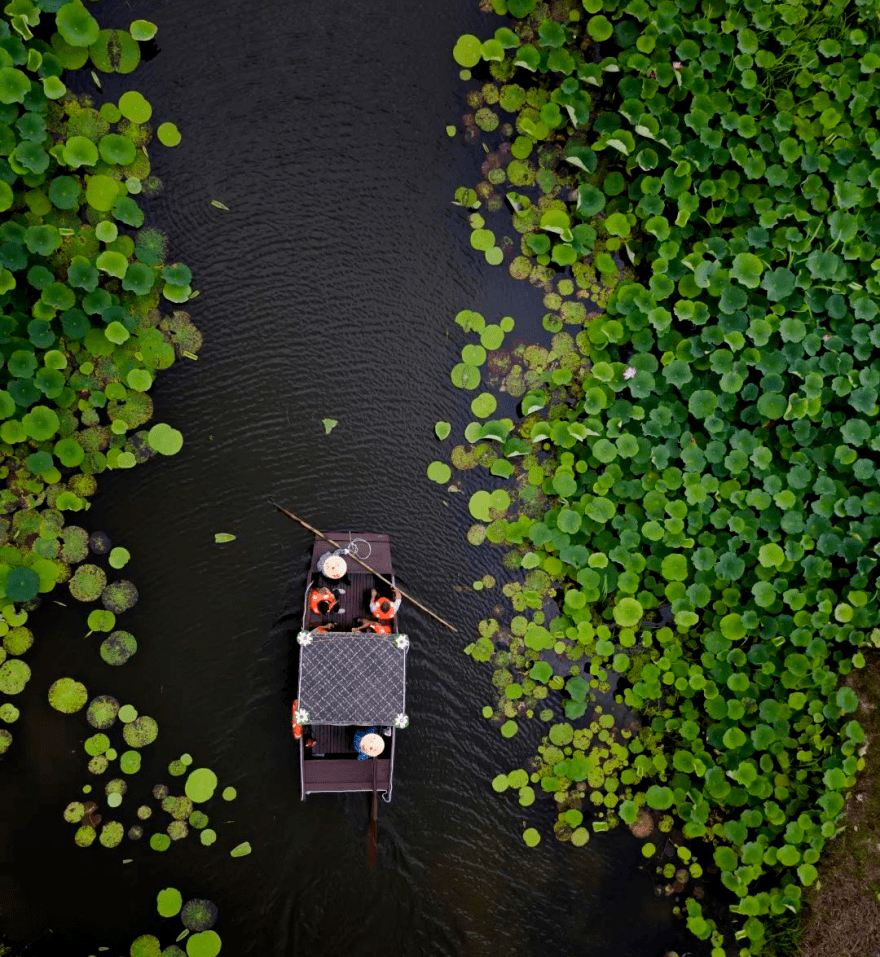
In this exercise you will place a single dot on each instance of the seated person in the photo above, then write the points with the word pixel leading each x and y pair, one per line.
pixel 323 629
pixel 378 627
pixel 333 567
pixel 368 743
pixel 321 601
pixel 384 608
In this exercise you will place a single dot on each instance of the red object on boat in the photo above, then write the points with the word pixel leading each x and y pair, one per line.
pixel 296 728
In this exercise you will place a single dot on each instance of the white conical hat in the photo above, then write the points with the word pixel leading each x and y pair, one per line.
pixel 372 744
pixel 333 566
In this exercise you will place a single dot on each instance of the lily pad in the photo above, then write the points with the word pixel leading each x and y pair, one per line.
pixel 14 675
pixel 439 472
pixel 199 915
pixel 205 944
pixel 169 134
pixel 118 647
pixel 200 785
pixel 140 732
pixel 66 695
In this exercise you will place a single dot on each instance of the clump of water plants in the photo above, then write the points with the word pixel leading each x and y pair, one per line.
pixel 198 938
pixel 121 734
pixel 706 510
pixel 91 307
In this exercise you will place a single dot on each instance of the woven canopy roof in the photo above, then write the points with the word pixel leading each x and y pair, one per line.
pixel 352 678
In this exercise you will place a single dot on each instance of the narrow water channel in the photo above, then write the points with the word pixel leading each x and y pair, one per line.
pixel 327 290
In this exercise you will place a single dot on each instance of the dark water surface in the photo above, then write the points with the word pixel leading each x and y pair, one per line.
pixel 328 289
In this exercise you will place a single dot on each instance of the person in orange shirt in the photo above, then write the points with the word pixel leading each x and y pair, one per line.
pixel 384 609
pixel 321 601
pixel 378 627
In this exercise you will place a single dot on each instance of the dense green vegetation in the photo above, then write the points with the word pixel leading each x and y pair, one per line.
pixel 83 332
pixel 706 446
pixel 91 311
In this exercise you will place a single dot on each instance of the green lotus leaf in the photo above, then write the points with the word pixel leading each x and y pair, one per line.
pixel 178 274
pixel 87 582
pixel 117 333
pixel 169 902
pixel 127 211
pixel 200 785
pixel 57 295
pixel 14 675
pixel 115 149
pixel 467 51
pixel 41 423
pixel 531 837
pixel 199 915
pixel 80 151
pixel 674 568
pixel 31 156
pixel 618 225
pixel 119 557
pixel 106 231
pixel 484 405
pixel 141 732
pixel 67 695
pixel 599 28
pixel 42 240
pixel 115 51
pixel 628 612
pixel 14 85
pixel 78 28
pixel 175 293
pixel 135 107
pixel 119 596
pixel 142 30
pixel 160 842
pixel 7 197
pixel 102 712
pixel 439 472
pixel 113 263
pixel 118 648
pixel 22 584
pixel 145 946
pixel 168 134
pixel 165 439
pixel 69 452
pixel 139 279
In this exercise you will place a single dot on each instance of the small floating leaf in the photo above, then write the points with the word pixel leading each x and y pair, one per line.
pixel 200 785
pixel 218 205
pixel 67 695
pixel 119 557
pixel 221 537
pixel 142 30
pixel 229 794
pixel 439 472
pixel 329 425
pixel 169 134
pixel 169 901
pixel 442 430
pixel 531 837
pixel 241 850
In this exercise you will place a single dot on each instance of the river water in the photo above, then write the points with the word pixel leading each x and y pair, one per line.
pixel 327 290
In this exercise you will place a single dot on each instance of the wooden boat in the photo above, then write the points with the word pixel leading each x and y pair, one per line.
pixel 349 680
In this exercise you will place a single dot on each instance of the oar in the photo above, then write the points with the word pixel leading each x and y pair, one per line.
pixel 373 833
pixel 315 531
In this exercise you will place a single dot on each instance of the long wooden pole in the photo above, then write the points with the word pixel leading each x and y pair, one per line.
pixel 410 598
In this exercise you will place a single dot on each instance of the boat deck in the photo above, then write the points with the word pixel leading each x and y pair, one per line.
pixel 342 774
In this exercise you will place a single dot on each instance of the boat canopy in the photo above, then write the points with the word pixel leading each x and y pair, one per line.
pixel 352 678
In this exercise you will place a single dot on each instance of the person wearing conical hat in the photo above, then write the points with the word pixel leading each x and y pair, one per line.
pixel 368 743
